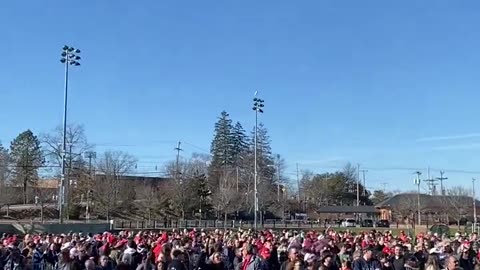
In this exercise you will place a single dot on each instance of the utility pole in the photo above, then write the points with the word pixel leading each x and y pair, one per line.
pixel 298 183
pixel 358 184
pixel 278 182
pixel 177 169
pixel 69 58
pixel 417 182
pixel 431 183
pixel 441 179
pixel 474 229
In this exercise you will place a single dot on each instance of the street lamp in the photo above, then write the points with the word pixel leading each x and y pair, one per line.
pixel 258 108
pixel 69 58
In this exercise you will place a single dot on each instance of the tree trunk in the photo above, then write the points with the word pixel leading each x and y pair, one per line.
pixel 41 212
pixel 25 191
pixel 225 221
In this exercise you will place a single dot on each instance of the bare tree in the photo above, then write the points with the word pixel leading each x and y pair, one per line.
pixel 226 200
pixel 151 199
pixel 76 142
pixel 458 202
pixel 407 208
pixel 181 187
pixel 111 191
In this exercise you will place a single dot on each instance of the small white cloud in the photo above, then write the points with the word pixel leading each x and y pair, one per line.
pixel 458 147
pixel 451 137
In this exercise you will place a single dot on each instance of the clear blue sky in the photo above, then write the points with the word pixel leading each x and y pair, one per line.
pixel 379 83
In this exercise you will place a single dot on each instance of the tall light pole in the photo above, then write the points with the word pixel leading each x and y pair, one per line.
pixel 358 184
pixel 90 155
pixel 69 58
pixel 258 108
pixel 417 182
pixel 474 229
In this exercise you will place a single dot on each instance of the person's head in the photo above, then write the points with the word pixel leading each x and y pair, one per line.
pixel 89 265
pixel 327 259
pixel 166 250
pixel 346 264
pixel 177 254
pixel 433 260
pixel 368 254
pixel 411 263
pixel 131 243
pixel 247 249
pixel 82 252
pixel 217 258
pixel 357 254
pixel 398 250
pixel 104 261
pixel 451 262
pixel 293 254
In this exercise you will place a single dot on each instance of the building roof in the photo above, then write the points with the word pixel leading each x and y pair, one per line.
pixel 47 183
pixel 346 209
pixel 426 200
pixel 137 177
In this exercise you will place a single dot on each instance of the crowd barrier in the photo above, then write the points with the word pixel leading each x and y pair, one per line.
pixel 56 228
pixel 189 224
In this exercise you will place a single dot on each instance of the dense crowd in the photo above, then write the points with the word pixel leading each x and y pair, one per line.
pixel 240 250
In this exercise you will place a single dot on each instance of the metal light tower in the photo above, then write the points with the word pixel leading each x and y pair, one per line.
pixel 69 58
pixel 417 182
pixel 258 108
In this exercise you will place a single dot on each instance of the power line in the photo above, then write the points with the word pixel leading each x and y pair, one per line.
pixel 197 147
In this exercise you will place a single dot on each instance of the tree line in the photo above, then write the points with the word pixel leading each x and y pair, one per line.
pixel 215 185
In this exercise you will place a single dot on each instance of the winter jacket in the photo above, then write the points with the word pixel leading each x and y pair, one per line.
pixel 362 264
pixel 252 264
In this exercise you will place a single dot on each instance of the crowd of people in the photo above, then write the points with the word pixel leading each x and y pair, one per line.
pixel 240 250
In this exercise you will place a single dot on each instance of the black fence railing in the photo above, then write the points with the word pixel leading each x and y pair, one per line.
pixel 189 224
pixel 172 224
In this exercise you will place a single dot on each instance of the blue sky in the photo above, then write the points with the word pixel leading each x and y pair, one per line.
pixel 391 85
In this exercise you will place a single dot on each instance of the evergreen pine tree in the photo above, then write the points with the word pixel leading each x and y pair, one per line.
pixel 4 162
pixel 240 144
pixel 27 158
pixel 203 193
pixel 221 149
pixel 222 144
pixel 265 160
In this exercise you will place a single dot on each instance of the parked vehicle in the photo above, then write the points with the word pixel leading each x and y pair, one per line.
pixel 383 223
pixel 349 223
pixel 367 223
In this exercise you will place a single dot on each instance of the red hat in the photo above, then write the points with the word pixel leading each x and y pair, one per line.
pixel 111 240
pixel 120 244
pixel 265 253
